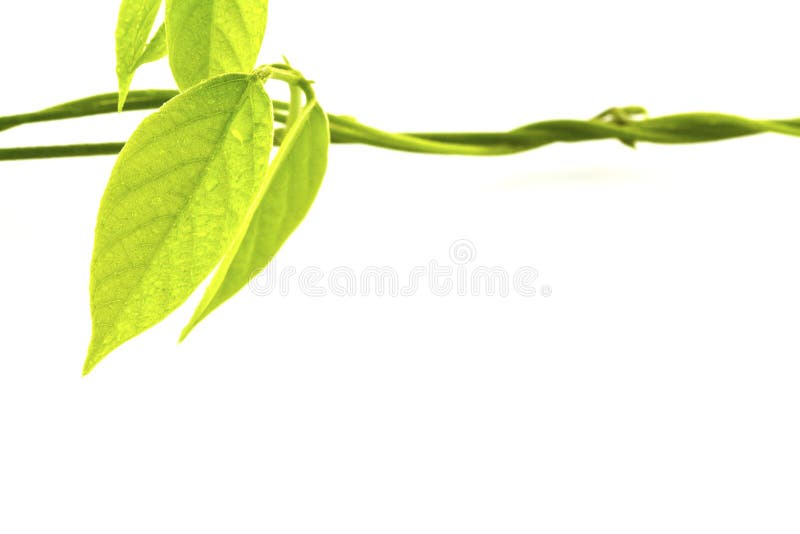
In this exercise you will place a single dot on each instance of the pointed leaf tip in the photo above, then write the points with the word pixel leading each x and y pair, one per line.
pixel 134 24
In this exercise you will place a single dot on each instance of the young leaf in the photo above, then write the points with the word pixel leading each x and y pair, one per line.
pixel 135 22
pixel 293 179
pixel 155 49
pixel 211 37
pixel 177 196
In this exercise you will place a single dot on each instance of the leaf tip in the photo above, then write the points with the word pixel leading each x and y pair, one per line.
pixel 88 365
pixel 187 330
pixel 123 96
pixel 95 354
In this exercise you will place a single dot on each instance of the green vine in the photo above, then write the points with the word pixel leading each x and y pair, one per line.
pixel 629 125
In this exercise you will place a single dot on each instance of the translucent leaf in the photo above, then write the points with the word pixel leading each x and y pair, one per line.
pixel 155 49
pixel 179 192
pixel 135 22
pixel 292 183
pixel 211 37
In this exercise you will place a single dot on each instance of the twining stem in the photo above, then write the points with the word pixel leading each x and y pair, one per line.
pixel 93 105
pixel 298 87
pixel 295 105
pixel 59 151
pixel 623 124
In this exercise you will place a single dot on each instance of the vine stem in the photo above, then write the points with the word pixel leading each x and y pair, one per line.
pixel 628 125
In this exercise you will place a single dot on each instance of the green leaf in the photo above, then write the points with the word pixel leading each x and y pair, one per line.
pixel 211 37
pixel 156 48
pixel 135 22
pixel 292 183
pixel 179 192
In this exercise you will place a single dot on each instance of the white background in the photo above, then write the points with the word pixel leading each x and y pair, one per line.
pixel 655 391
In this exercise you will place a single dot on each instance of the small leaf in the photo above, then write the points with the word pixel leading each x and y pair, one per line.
pixel 292 183
pixel 135 22
pixel 211 37
pixel 177 197
pixel 155 49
